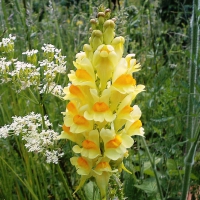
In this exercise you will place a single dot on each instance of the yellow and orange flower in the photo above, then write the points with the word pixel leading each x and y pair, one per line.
pixel 90 146
pixel 75 120
pixel 100 118
pixel 99 110
pixel 115 145
pixel 83 165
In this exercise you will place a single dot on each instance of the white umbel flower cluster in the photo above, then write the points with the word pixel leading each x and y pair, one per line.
pixel 53 88
pixel 25 75
pixel 4 70
pixel 52 156
pixel 38 139
pixel 30 52
pixel 7 44
pixel 33 73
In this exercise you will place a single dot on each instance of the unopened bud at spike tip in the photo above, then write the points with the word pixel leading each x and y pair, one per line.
pixel 108 31
pixel 96 39
pixel 101 17
pixel 114 19
pixel 93 22
pixel 107 13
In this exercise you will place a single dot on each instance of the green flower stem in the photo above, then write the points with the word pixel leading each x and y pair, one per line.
pixel 153 167
pixel 189 161
pixel 140 164
pixel 25 183
pixel 64 182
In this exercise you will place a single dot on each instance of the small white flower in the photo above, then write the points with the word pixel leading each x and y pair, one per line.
pixel 53 156
pixel 30 52
pixel 48 48
pixel 7 41
pixel 53 88
pixel 4 131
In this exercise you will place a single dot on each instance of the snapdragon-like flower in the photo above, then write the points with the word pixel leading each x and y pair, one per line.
pixel 100 118
pixel 38 139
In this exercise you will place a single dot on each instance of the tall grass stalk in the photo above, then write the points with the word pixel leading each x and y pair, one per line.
pixel 192 131
pixel 153 165
pixel 3 7
pixel 64 182
pixel 25 183
pixel 193 70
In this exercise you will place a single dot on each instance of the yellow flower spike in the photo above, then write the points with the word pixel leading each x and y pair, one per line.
pixel 90 146
pixel 115 144
pixel 96 39
pixel 99 117
pixel 108 31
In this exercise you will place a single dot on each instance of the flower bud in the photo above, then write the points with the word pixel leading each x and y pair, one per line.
pixel 101 17
pixel 108 31
pixel 88 51
pixel 93 24
pixel 107 13
pixel 118 44
pixel 96 39
pixel 114 19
